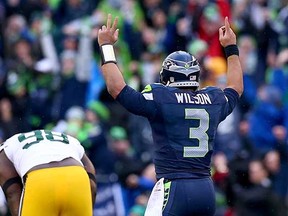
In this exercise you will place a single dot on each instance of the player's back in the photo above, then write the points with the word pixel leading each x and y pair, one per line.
pixel 184 129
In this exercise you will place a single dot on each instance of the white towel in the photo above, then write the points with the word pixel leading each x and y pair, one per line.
pixel 155 202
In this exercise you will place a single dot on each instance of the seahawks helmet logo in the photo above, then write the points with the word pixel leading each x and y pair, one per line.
pixel 167 64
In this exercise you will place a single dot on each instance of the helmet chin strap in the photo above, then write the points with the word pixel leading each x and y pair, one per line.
pixel 168 83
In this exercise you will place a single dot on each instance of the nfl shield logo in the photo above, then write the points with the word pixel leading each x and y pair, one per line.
pixel 192 77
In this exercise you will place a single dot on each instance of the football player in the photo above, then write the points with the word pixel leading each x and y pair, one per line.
pixel 183 119
pixel 53 170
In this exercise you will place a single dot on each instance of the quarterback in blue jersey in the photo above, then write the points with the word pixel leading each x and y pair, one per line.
pixel 183 119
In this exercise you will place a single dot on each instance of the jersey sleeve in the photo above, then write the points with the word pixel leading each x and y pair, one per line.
pixel 138 103
pixel 9 145
pixel 231 100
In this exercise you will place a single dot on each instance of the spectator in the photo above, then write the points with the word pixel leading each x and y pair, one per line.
pixel 15 30
pixel 209 21
pixel 266 115
pixel 73 122
pixel 141 137
pixel 259 198
pixel 255 19
pixel 277 173
pixel 125 162
pixel 278 74
pixel 95 132
pixel 220 175
pixel 69 85
pixel 140 186
pixel 139 208
pixel 69 10
pixel 228 131
pixel 280 25
pixel 123 153
pixel 248 59
pixel 9 123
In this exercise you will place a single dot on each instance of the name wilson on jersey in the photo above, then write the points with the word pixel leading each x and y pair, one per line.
pixel 197 99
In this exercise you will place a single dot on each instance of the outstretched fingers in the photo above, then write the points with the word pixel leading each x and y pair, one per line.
pixel 224 29
pixel 227 24
pixel 109 21
pixel 115 23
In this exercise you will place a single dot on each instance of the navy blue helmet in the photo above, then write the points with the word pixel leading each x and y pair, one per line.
pixel 180 69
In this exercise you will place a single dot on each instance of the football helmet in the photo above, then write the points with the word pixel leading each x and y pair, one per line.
pixel 180 69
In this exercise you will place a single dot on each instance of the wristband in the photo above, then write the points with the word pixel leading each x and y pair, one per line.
pixel 231 50
pixel 107 54
pixel 11 181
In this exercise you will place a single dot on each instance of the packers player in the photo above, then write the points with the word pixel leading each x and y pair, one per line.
pixel 47 173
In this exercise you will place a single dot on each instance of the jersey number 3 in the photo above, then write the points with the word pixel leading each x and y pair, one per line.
pixel 199 133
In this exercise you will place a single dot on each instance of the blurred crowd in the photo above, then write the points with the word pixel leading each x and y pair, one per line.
pixel 50 78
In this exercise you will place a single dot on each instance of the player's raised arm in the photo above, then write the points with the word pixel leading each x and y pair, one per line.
pixel 107 37
pixel 227 39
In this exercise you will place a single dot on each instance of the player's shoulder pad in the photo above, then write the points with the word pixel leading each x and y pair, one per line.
pixel 10 140
pixel 150 87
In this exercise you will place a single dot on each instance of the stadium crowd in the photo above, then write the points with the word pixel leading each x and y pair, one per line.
pixel 50 78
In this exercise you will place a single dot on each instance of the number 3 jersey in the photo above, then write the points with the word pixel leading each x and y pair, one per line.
pixel 27 150
pixel 183 124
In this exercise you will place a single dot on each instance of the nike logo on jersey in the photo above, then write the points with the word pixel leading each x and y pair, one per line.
pixel 197 99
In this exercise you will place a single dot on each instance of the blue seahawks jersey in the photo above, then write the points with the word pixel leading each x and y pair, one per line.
pixel 183 123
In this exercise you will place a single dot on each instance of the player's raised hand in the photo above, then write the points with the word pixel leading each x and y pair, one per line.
pixel 108 34
pixel 226 34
